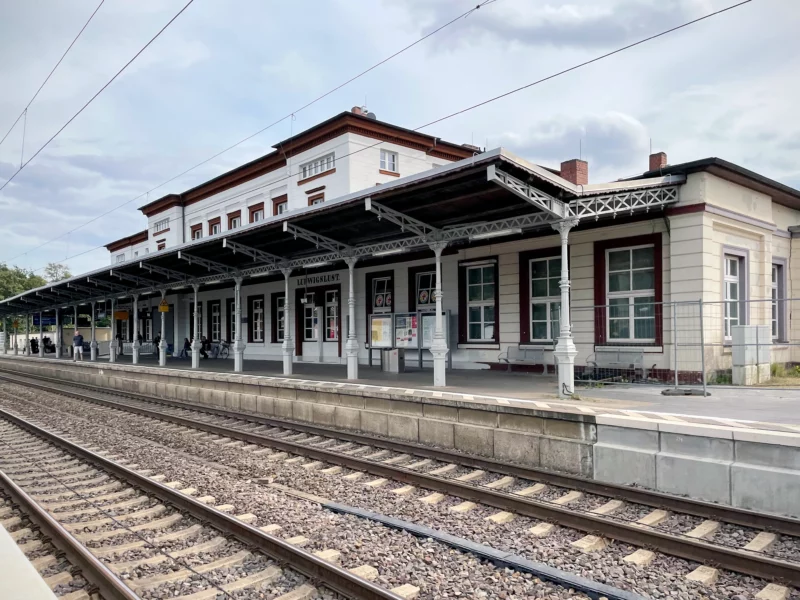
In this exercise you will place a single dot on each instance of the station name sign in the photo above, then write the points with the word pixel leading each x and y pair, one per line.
pixel 318 279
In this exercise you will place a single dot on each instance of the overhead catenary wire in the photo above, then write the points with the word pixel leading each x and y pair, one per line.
pixel 50 74
pixel 290 115
pixel 511 92
pixel 100 91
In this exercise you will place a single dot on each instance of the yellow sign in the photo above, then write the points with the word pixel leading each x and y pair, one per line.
pixel 121 315
pixel 163 306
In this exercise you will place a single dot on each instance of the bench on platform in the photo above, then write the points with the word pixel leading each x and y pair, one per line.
pixel 515 355
pixel 616 359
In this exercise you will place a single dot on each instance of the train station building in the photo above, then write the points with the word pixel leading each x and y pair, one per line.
pixel 358 242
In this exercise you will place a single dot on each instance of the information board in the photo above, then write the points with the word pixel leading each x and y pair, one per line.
pixel 429 327
pixel 406 330
pixel 381 334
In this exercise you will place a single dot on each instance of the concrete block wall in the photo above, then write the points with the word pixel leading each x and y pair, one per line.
pixel 753 469
pixel 532 437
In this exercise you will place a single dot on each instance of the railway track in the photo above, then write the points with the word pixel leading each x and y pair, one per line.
pixel 555 498
pixel 101 513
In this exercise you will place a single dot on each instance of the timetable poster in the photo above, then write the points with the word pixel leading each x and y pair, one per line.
pixel 405 330
pixel 381 331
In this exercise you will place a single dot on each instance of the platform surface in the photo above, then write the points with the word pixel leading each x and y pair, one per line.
pixel 749 407
pixel 19 580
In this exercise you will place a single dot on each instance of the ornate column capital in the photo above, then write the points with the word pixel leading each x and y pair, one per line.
pixel 437 247
pixel 287 272
pixel 196 287
pixel 350 261
pixel 564 226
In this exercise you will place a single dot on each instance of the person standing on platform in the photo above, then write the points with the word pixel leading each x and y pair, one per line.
pixel 77 346
pixel 186 347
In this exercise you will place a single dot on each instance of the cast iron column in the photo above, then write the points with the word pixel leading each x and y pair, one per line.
pixel 136 345
pixel 439 345
pixel 351 347
pixel 288 340
pixel 238 343
pixel 565 351
pixel 41 328
pixel 196 338
pixel 93 343
pixel 113 347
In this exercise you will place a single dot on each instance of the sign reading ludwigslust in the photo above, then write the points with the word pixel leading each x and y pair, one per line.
pixel 317 279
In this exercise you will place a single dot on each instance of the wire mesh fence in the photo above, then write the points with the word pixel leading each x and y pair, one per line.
pixel 692 343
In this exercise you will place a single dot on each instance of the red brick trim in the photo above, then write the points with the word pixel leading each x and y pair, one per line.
pixel 315 190
pixel 212 222
pixel 253 209
pixel 232 216
pixel 278 200
pixel 315 197
pixel 194 228
pixel 317 176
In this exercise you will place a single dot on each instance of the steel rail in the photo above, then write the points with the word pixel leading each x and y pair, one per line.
pixel 96 572
pixel 740 561
pixel 708 510
pixel 336 578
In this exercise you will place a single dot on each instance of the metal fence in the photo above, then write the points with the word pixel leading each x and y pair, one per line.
pixel 691 343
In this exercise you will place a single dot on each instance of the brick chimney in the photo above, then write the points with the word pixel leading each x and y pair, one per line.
pixel 575 171
pixel 658 161
pixel 356 110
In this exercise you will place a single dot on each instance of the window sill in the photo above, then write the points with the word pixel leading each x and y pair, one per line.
pixel 479 346
pixel 317 176
pixel 159 232
pixel 390 173
pixel 635 348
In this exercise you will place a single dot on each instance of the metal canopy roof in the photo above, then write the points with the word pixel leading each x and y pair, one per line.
pixel 492 193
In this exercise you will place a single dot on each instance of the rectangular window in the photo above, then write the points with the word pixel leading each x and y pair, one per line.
pixel 235 223
pixel 161 225
pixel 231 306
pixel 426 286
pixel 310 324
pixel 317 166
pixel 316 199
pixel 733 294
pixel 216 322
pixel 197 231
pixel 258 215
pixel 331 316
pixel 120 258
pixel 775 298
pixel 280 204
pixel 161 246
pixel 389 161
pixel 257 320
pixel 215 229
pixel 630 295
pixel 382 294
pixel 545 291
pixel 147 328
pixel 281 208
pixel 480 303
pixel 280 319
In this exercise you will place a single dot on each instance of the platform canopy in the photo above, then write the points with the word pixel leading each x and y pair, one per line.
pixel 473 201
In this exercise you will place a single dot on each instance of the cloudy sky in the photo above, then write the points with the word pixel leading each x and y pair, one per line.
pixel 725 87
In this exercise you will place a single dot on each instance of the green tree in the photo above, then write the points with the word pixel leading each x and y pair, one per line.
pixel 56 272
pixel 14 280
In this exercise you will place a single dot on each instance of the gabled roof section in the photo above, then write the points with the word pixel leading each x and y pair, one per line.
pixel 136 238
pixel 344 122
pixel 780 193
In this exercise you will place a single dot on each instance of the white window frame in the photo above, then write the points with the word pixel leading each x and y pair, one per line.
pixel 161 225
pixel 282 207
pixel 778 293
pixel 310 322
pixel 430 302
pixel 120 258
pixel 553 324
pixel 197 234
pixel 215 229
pixel 317 166
pixel 147 328
pixel 389 161
pixel 482 304
pixel 317 201
pixel 280 310
pixel 729 280
pixel 331 312
pixel 631 295
pixel 258 215
pixel 385 292
pixel 123 329
pixel 236 222
pixel 258 320
pixel 216 322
